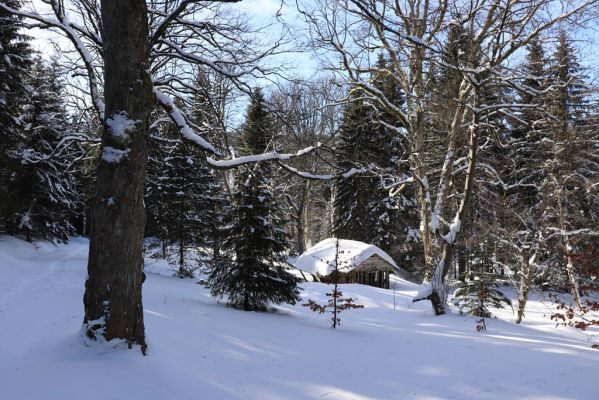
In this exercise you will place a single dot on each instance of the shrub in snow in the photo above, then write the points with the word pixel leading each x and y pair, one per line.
pixel 479 292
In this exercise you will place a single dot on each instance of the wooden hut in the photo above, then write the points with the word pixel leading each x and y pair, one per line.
pixel 358 262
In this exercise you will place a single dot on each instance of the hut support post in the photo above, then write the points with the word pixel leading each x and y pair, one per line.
pixel 387 280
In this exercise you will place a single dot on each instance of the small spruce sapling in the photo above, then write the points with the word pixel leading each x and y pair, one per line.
pixel 337 302
pixel 477 293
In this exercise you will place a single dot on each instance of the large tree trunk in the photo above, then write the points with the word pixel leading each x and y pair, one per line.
pixel 439 251
pixel 306 215
pixel 182 270
pixel 113 306
pixel 438 292
pixel 300 214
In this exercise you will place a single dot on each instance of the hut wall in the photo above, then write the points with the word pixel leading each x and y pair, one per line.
pixel 373 271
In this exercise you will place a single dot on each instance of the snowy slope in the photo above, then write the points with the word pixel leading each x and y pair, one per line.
pixel 200 349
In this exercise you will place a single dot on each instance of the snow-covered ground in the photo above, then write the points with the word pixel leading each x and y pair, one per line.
pixel 200 349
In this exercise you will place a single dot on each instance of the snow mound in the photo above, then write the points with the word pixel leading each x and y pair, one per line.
pixel 320 258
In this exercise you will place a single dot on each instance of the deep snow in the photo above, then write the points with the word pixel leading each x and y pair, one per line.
pixel 200 349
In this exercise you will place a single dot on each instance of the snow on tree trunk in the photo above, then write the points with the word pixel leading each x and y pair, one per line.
pixel 435 289
pixel 526 279
pixel 572 279
pixel 113 304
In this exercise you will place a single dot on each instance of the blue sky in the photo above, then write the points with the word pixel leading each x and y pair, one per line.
pixel 304 64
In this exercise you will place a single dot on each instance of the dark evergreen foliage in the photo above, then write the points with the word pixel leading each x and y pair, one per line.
pixel 44 185
pixel 570 197
pixel 15 62
pixel 183 203
pixel 363 208
pixel 570 92
pixel 478 292
pixel 252 271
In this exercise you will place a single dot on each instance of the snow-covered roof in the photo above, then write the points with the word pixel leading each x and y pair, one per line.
pixel 320 258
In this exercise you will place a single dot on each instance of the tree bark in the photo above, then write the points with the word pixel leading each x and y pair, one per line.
pixel 526 278
pixel 571 274
pixel 438 296
pixel 112 300
pixel 568 249
pixel 300 234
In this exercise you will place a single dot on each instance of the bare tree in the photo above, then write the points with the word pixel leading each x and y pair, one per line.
pixel 306 114
pixel 409 34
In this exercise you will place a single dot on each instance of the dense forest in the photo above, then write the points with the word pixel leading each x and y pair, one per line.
pixel 462 138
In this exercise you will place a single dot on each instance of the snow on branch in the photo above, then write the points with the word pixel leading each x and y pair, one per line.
pixel 307 175
pixel 255 158
pixel 179 119
pixel 563 232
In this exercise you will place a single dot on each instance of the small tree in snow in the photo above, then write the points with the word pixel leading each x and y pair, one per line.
pixel 337 302
pixel 477 293
pixel 251 269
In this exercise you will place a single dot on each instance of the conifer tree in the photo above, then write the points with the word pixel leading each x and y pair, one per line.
pixel 529 135
pixel 363 208
pixel 571 168
pixel 443 88
pixel 352 193
pixel 252 272
pixel 525 172
pixel 478 291
pixel 569 95
pixel 185 198
pixel 44 185
pixel 182 200
pixel 15 61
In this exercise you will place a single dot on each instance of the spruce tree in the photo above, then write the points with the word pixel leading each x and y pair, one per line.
pixel 15 61
pixel 524 198
pixel 363 208
pixel 182 201
pixel 570 92
pixel 252 272
pixel 571 170
pixel 352 193
pixel 529 135
pixel 44 184
pixel 479 290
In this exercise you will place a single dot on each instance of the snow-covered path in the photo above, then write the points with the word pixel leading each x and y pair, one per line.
pixel 200 349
